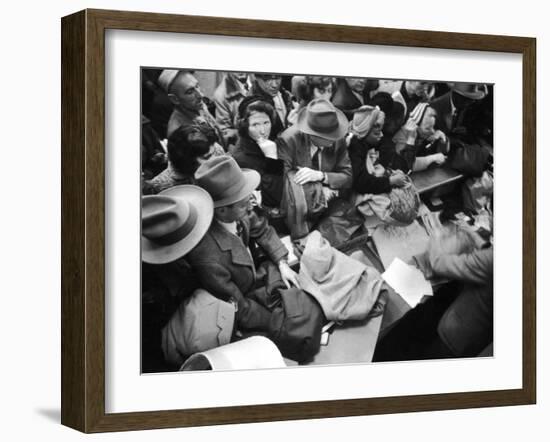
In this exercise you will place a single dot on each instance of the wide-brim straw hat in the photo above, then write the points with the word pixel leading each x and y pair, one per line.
pixel 174 222
pixel 322 119
pixel 225 181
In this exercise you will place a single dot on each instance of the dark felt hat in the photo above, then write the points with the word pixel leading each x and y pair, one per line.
pixel 225 181
pixel 474 91
pixel 322 119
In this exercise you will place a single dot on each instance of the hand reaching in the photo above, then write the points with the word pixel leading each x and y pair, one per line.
pixel 307 175
pixel 398 179
pixel 437 135
pixel 438 158
pixel 293 114
pixel 410 130
pixel 289 276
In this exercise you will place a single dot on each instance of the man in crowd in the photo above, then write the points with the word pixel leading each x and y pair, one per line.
pixel 223 260
pixel 409 95
pixel 352 93
pixel 269 88
pixel 227 97
pixel 316 162
pixel 315 147
pixel 452 107
pixel 184 92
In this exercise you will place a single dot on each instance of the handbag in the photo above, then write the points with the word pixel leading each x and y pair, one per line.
pixel 296 325
pixel 296 318
pixel 468 159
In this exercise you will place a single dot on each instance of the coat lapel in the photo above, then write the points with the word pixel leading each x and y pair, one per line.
pixel 229 242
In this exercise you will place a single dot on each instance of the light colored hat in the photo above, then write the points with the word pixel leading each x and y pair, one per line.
pixel 417 114
pixel 200 323
pixel 473 91
pixel 322 119
pixel 249 353
pixel 173 222
pixel 166 78
pixel 225 181
pixel 363 120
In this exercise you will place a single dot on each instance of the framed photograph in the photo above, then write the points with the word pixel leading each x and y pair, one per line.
pixel 321 221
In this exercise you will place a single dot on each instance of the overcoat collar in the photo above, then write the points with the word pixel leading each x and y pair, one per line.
pixel 229 242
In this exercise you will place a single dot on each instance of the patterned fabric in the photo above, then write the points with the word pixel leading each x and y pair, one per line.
pixel 398 207
pixel 169 177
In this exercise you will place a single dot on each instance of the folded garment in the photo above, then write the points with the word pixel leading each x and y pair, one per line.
pixel 201 322
pixel 345 288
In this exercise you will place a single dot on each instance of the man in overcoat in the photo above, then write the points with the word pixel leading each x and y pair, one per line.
pixel 316 148
pixel 223 260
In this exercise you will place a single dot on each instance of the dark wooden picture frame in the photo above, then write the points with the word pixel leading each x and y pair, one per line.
pixel 83 220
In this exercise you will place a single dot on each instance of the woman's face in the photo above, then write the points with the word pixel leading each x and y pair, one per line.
pixel 426 127
pixel 325 93
pixel 259 126
pixel 375 134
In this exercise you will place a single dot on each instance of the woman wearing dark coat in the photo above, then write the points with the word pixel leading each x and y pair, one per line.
pixel 369 177
pixel 254 149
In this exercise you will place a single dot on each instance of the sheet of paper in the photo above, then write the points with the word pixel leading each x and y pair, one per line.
pixel 407 281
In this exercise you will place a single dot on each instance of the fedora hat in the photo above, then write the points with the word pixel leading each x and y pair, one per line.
pixel 225 181
pixel 322 119
pixel 173 222
pixel 473 91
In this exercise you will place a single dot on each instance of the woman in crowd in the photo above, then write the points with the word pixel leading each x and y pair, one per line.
pixel 418 143
pixel 314 87
pixel 254 149
pixel 368 176
pixel 188 148
pixel 309 88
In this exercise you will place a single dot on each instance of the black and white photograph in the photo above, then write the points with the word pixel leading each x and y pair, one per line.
pixel 298 220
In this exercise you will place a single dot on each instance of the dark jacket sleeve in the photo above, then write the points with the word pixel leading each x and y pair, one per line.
pixel 266 237
pixel 285 152
pixel 272 182
pixel 363 181
pixel 216 279
pixel 475 267
pixel 341 175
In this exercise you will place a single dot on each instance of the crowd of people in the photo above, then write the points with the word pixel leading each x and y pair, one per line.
pixel 227 175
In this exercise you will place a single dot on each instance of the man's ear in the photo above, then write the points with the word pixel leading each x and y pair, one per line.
pixel 174 99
